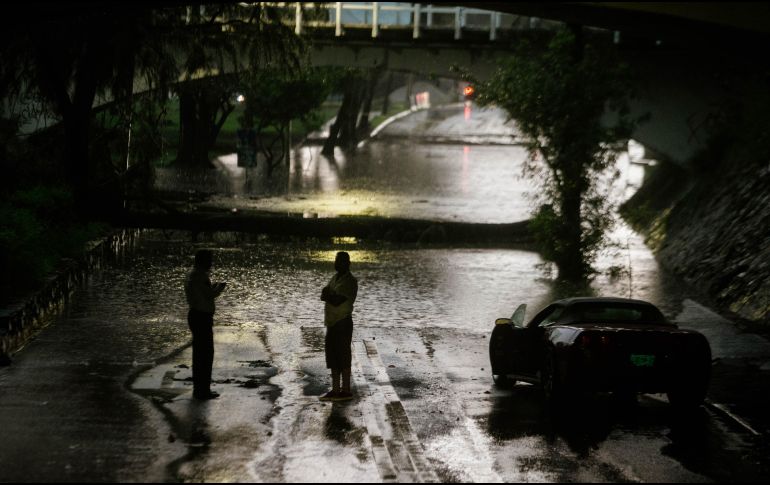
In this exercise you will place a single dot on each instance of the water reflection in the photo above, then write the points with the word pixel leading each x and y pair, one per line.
pixel 586 421
pixel 410 170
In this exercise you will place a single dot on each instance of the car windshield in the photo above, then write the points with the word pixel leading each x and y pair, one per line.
pixel 614 313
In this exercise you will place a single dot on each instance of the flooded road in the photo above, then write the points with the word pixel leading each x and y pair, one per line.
pixel 104 393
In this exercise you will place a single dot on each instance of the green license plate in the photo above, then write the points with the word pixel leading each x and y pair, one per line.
pixel 643 360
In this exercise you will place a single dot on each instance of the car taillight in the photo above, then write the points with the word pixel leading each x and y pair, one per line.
pixel 585 340
pixel 594 342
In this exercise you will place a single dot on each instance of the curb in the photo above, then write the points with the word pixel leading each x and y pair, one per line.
pixel 722 409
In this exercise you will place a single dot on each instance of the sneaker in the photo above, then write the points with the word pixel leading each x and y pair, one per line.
pixel 329 396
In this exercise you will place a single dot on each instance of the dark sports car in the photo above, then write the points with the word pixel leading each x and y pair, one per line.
pixel 601 345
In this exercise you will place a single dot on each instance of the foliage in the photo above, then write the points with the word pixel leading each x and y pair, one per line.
pixel 38 227
pixel 274 98
pixel 559 98
pixel 228 43
pixel 72 59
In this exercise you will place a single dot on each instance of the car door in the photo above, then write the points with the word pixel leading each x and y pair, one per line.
pixel 527 347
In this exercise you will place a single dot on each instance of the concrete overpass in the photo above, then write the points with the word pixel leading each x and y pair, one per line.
pixel 689 58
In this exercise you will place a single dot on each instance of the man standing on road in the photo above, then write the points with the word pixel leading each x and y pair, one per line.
pixel 339 295
pixel 200 295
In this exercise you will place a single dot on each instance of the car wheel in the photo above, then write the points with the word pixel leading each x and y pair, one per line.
pixel 690 383
pixel 626 397
pixel 552 389
pixel 686 396
pixel 500 344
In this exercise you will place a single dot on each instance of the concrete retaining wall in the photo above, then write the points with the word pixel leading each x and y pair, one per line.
pixel 20 322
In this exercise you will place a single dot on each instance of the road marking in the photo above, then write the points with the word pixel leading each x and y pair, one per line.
pixel 718 407
pixel 397 451
pixel 733 416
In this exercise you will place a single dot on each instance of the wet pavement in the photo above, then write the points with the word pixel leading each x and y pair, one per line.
pixel 104 393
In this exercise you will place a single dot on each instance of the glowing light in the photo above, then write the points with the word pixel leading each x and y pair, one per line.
pixel 469 90
pixel 240 98
pixel 344 240
pixel 356 256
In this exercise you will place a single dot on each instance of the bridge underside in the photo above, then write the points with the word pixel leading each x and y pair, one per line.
pixel 427 60
pixel 716 24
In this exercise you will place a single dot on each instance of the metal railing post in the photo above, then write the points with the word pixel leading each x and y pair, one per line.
pixel 429 22
pixel 416 20
pixel 375 19
pixel 298 19
pixel 338 21
pixel 494 19
pixel 458 26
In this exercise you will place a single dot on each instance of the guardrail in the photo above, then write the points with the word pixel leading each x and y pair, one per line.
pixel 421 17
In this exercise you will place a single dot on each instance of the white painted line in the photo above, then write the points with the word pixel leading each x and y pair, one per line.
pixel 733 416
pixel 719 407
pixel 390 120
pixel 373 432
pixel 398 453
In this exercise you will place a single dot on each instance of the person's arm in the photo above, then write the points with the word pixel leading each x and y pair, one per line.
pixel 347 291
pixel 335 299
pixel 217 289
pixel 332 298
pixel 206 289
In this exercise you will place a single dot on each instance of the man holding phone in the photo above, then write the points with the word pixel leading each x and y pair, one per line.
pixel 200 295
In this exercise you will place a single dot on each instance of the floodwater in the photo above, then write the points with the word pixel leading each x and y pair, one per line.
pixel 451 163
pixel 423 315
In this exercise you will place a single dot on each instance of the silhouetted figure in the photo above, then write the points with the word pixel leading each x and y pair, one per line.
pixel 339 295
pixel 200 297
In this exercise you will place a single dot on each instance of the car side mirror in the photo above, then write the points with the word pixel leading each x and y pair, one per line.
pixel 518 316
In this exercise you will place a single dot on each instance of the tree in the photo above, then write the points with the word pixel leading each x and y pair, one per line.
pixel 560 98
pixel 65 61
pixel 357 89
pixel 274 98
pixel 68 57
pixel 225 43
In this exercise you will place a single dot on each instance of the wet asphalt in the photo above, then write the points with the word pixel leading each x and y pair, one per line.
pixel 104 392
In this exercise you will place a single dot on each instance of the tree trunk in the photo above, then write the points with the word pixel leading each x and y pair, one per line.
pixel 348 134
pixel 363 125
pixel 344 131
pixel 334 131
pixel 409 86
pixel 199 126
pixel 572 263
pixel 388 87
pixel 75 109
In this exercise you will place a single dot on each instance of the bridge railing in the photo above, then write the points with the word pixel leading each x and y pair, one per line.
pixel 420 18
